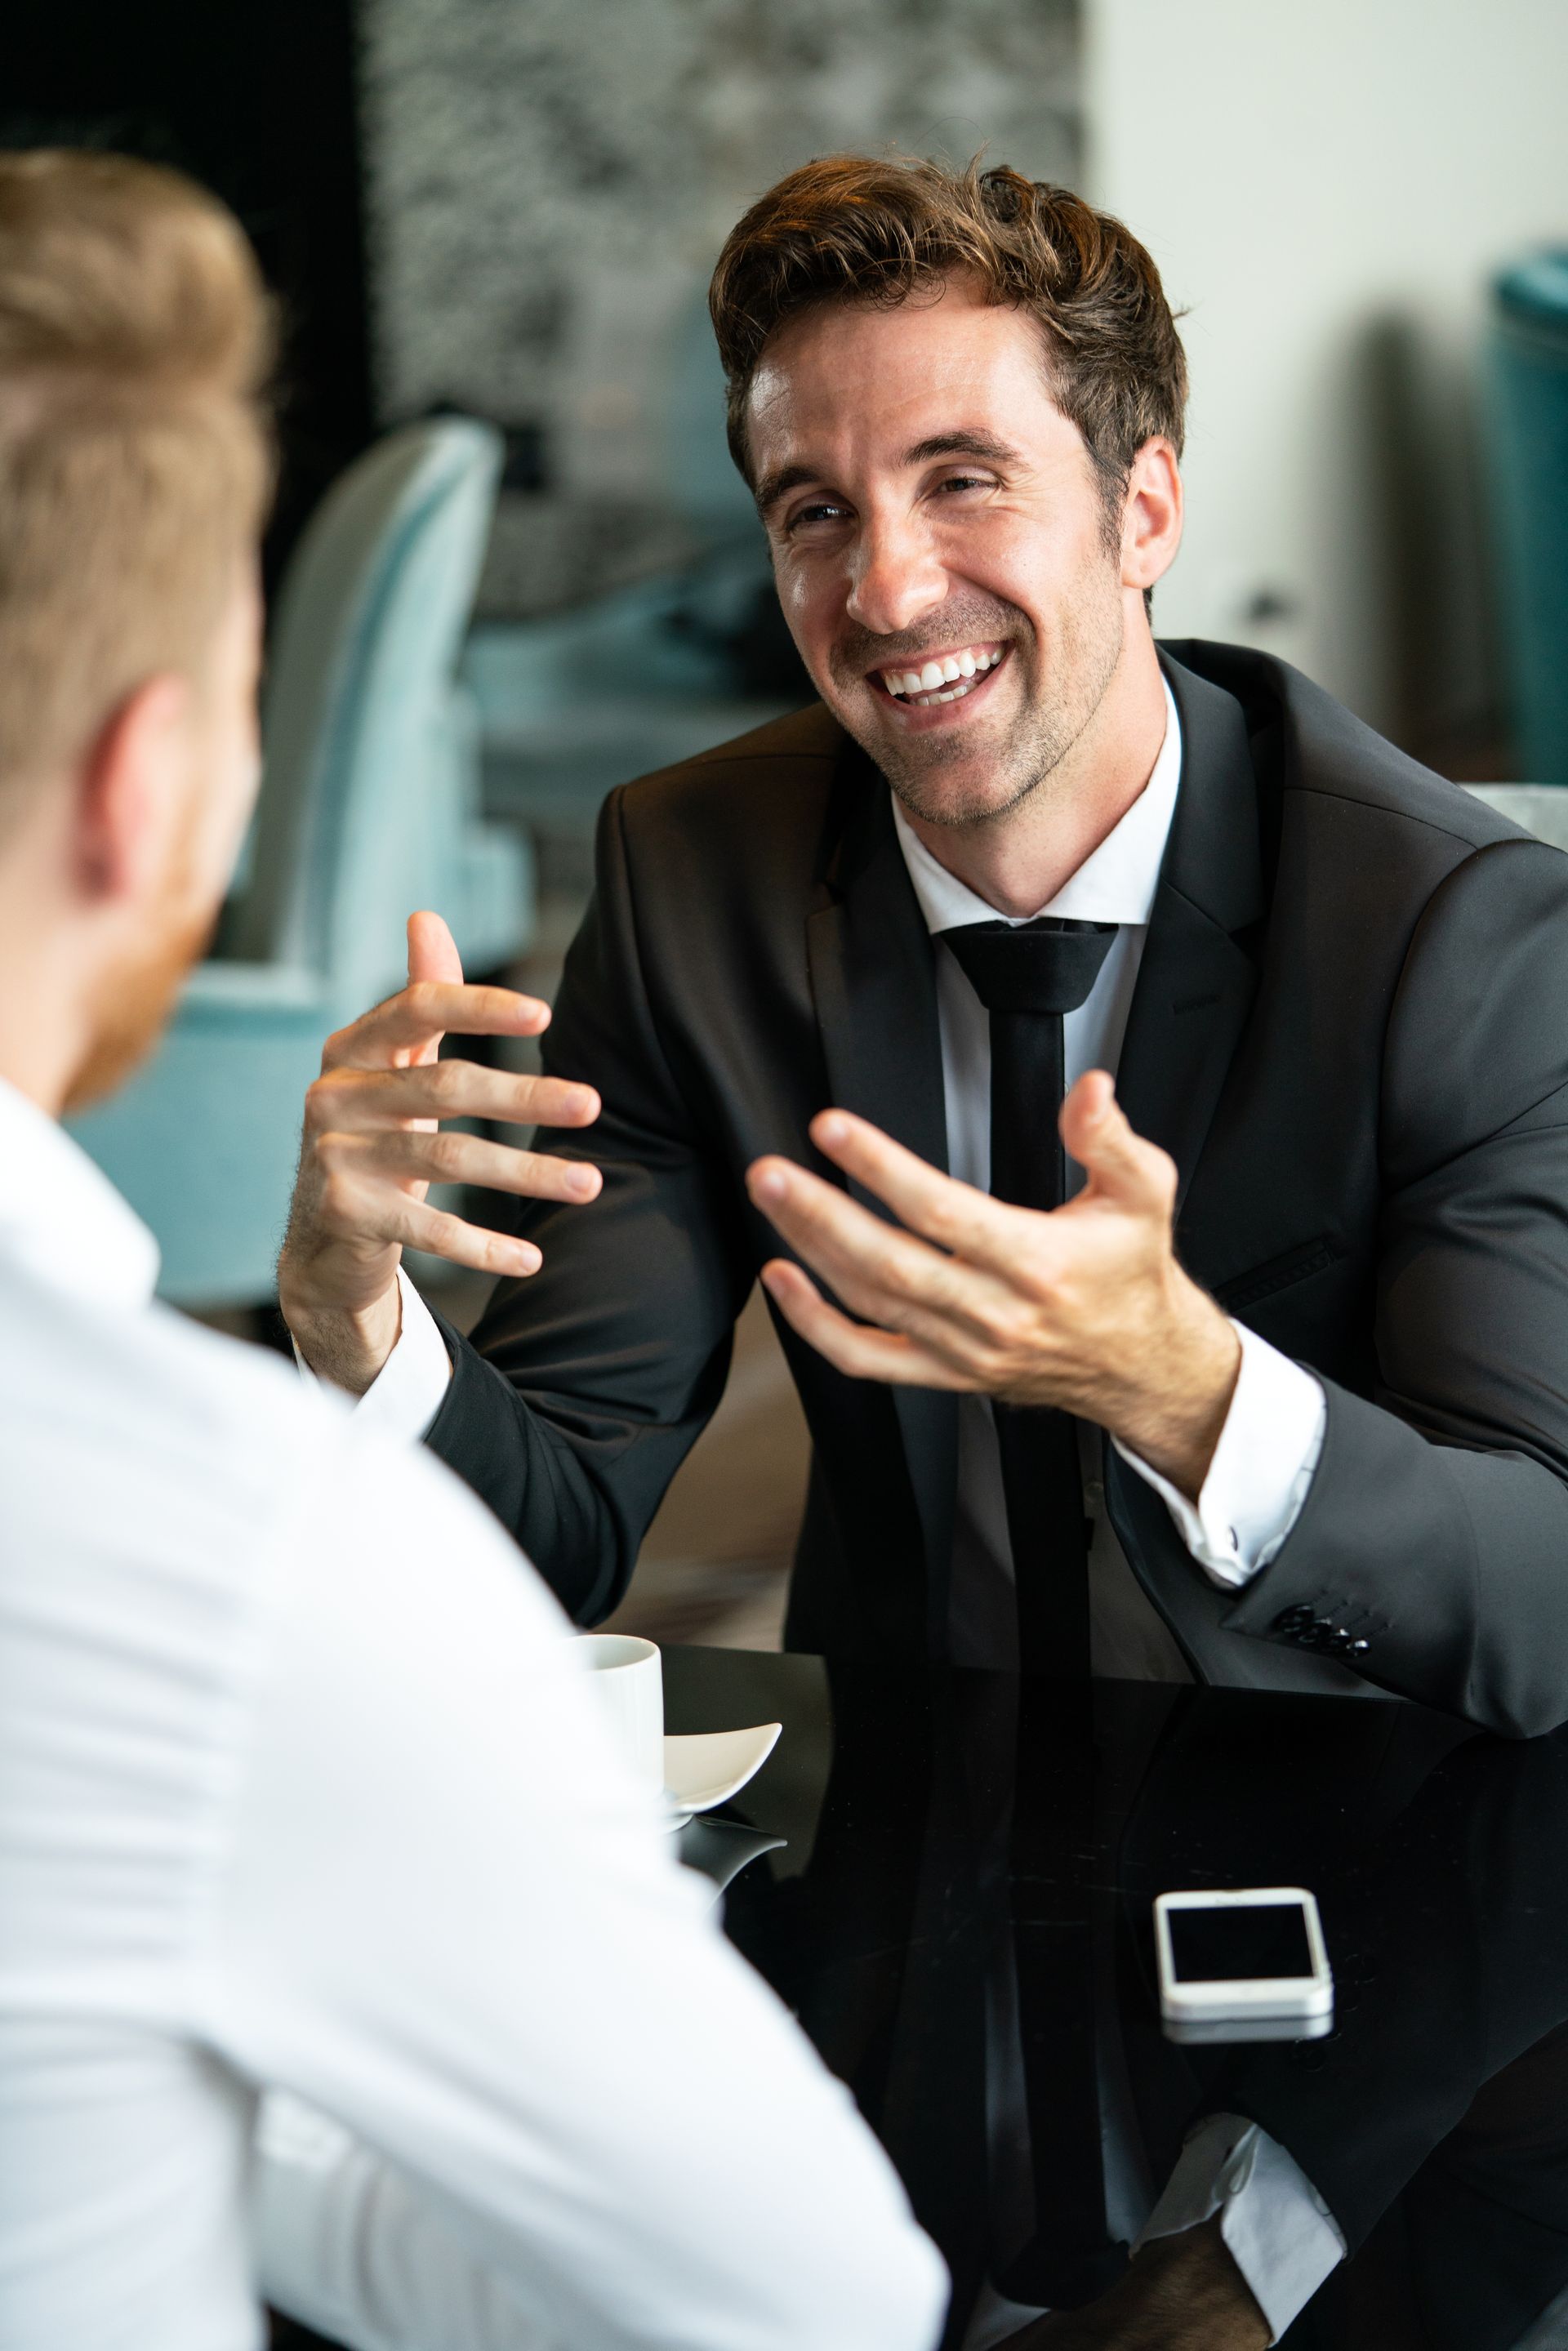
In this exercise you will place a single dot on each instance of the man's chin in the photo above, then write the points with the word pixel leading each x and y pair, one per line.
pixel 134 1010
pixel 116 1054
pixel 957 791
pixel 953 808
pixel 110 1063
pixel 949 776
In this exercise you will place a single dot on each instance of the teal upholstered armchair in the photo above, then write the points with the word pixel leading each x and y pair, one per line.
pixel 1527 415
pixel 575 702
pixel 368 808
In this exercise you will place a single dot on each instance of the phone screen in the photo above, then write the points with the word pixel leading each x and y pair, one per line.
pixel 1264 1939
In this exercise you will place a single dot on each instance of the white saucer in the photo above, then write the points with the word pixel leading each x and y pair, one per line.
pixel 709 1769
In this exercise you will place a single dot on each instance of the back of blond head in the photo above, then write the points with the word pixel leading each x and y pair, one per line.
pixel 134 451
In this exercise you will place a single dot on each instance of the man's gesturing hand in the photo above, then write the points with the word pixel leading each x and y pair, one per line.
pixel 373 1148
pixel 1085 1308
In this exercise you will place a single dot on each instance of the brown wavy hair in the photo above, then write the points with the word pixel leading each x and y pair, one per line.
pixel 857 228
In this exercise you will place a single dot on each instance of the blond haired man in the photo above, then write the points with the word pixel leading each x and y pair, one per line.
pixel 295 1785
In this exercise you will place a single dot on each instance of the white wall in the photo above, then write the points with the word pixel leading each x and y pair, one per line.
pixel 1327 184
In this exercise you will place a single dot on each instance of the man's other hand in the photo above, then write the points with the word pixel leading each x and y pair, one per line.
pixel 1181 2293
pixel 373 1146
pixel 1084 1308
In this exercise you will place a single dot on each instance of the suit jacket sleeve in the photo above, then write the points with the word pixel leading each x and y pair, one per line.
pixel 1437 1527
pixel 584 1387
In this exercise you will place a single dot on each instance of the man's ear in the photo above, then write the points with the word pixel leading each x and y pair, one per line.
pixel 1151 515
pixel 131 786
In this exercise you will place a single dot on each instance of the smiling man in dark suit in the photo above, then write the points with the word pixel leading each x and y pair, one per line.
pixel 1263 1377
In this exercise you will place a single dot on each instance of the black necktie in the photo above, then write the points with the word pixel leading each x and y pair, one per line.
pixel 1028 975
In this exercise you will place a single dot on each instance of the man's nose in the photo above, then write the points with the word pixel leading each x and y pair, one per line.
pixel 895 575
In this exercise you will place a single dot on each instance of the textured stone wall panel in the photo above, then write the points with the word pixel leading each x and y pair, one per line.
pixel 550 179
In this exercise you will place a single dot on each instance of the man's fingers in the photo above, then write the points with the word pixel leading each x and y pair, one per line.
pixel 378 1216
pixel 450 1157
pixel 952 1215
pixel 418 1226
pixel 1120 1164
pixel 359 1100
pixel 433 1008
pixel 433 951
pixel 867 1260
pixel 862 1352
pixel 432 959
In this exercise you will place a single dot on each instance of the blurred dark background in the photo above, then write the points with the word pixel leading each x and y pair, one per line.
pixel 263 105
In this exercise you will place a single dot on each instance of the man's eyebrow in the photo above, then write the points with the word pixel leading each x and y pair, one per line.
pixel 985 445
pixel 778 484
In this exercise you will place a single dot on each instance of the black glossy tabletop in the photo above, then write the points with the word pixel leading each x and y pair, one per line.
pixel 958 1911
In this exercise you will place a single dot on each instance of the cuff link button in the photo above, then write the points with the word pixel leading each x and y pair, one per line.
pixel 1309 1632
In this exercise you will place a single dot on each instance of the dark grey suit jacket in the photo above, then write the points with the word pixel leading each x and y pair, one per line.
pixel 1351 1031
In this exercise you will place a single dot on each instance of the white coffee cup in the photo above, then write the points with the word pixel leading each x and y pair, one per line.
pixel 627 1685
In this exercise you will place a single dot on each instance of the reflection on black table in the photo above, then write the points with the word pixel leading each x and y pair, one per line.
pixel 960 1917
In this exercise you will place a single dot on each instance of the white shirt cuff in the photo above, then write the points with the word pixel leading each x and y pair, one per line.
pixel 411 1387
pixel 1263 1467
pixel 1277 2229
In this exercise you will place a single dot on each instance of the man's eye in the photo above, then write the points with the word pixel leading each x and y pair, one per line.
pixel 820 512
pixel 966 482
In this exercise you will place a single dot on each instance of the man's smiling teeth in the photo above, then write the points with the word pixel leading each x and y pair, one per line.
pixel 947 680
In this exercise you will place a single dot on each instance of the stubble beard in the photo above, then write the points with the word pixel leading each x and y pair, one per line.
pixel 136 1000
pixel 1089 647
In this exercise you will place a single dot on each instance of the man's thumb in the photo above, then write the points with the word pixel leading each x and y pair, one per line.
pixel 432 950
pixel 1119 1163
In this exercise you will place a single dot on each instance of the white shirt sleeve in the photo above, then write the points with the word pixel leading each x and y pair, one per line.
pixel 446 1918
pixel 351 2248
pixel 406 1394
pixel 1277 2229
pixel 1263 1469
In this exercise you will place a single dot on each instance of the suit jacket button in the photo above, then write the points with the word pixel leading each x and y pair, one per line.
pixel 1291 1620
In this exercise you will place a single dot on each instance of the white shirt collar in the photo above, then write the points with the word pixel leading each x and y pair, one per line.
pixel 1116 884
pixel 62 1223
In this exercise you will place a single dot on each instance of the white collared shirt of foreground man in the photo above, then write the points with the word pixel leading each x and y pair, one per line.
pixel 299 1791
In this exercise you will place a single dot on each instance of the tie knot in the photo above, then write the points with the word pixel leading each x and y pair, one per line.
pixel 1046 966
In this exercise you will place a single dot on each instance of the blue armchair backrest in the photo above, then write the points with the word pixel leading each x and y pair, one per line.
pixel 361 805
pixel 1528 445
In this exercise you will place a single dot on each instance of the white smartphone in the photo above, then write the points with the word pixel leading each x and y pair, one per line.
pixel 1249 1965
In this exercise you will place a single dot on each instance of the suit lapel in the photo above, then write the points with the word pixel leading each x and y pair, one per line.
pixel 874 987
pixel 1196 980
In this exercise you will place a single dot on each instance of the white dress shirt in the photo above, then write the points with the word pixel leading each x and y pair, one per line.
pixel 300 1789
pixel 1269 1447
